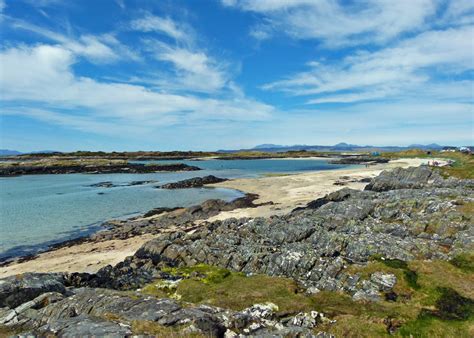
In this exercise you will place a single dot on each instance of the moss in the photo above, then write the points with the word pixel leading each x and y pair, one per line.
pixel 464 261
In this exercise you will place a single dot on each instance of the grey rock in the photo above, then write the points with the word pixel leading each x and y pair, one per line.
pixel 384 281
pixel 19 289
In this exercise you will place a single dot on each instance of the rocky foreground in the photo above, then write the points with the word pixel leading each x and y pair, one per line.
pixel 365 247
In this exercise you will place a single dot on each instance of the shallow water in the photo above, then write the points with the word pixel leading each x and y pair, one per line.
pixel 40 210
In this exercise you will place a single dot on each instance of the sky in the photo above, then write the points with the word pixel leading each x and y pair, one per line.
pixel 130 75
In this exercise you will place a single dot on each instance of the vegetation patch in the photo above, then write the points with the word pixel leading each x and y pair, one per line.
pixel 435 298
pixel 202 272
pixel 447 319
pixel 464 261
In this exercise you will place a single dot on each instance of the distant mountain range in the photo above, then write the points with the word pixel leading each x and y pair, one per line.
pixel 337 147
pixel 8 152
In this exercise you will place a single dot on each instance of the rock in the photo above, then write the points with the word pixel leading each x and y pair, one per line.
pixel 195 182
pixel 413 178
pixel 307 320
pixel 45 299
pixel 19 289
pixel 384 281
pixel 83 326
pixel 336 196
pixel 106 184
pixel 99 312
pixel 158 211
pixel 261 311
pixel 367 295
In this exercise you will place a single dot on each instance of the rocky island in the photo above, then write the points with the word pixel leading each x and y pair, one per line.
pixel 85 166
pixel 383 260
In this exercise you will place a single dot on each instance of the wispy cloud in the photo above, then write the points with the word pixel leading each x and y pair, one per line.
pixel 194 69
pixel 103 48
pixel 165 25
pixel 409 66
pixel 371 21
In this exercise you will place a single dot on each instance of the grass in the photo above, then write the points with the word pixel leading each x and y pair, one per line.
pixel 219 287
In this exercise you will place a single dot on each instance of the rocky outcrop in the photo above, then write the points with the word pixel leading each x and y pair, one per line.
pixel 174 218
pixel 195 182
pixel 314 245
pixel 99 312
pixel 413 178
pixel 131 168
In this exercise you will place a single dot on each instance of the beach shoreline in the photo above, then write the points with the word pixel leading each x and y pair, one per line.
pixel 277 195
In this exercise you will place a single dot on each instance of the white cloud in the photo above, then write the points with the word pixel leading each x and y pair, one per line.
pixel 3 5
pixel 194 69
pixel 460 12
pixel 407 67
pixel 370 21
pixel 104 48
pixel 153 23
pixel 41 78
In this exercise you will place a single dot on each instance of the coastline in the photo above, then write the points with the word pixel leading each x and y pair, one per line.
pixel 277 195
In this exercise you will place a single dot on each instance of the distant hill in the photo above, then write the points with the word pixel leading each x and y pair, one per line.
pixel 7 152
pixel 340 147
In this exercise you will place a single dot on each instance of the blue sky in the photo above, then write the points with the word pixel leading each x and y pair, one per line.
pixel 210 74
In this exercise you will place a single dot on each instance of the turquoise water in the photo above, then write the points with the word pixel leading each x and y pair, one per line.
pixel 39 210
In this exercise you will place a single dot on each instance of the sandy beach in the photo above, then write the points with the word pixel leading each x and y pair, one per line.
pixel 285 191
